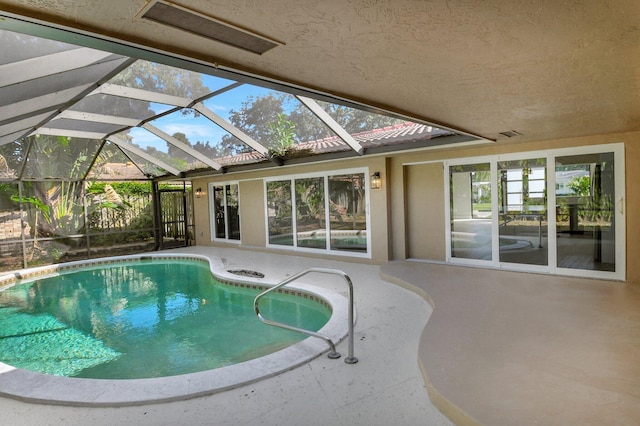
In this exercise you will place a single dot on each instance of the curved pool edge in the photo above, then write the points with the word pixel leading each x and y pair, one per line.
pixel 30 386
pixel 440 401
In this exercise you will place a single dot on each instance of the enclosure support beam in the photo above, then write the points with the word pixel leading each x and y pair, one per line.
pixel 140 153
pixel 180 145
pixel 333 124
pixel 244 138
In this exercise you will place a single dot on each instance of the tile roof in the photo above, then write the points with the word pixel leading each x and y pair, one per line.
pixel 406 132
pixel 122 171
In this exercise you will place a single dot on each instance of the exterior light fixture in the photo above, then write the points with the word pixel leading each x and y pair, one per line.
pixel 376 182
pixel 199 193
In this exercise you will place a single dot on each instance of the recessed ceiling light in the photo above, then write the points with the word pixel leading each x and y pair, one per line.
pixel 206 26
pixel 510 133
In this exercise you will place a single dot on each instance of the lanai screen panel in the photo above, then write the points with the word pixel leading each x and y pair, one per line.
pixel 38 74
pixel 113 164
pixel 40 77
pixel 63 124
pixel 58 157
pixel 12 130
pixel 162 150
pixel 374 130
pixel 118 106
pixel 268 116
pixel 19 47
pixel 154 147
pixel 199 133
pixel 12 156
pixel 163 79
pixel 147 167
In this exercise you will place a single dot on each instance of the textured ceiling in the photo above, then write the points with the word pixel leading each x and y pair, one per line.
pixel 546 69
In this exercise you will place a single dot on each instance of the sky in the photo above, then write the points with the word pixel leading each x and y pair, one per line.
pixel 197 129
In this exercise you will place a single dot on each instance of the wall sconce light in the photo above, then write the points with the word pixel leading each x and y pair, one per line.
pixel 199 193
pixel 376 182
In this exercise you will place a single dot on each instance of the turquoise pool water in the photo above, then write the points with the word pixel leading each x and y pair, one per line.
pixel 143 319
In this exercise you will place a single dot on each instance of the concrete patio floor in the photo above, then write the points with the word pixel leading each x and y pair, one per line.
pixel 508 348
pixel 384 387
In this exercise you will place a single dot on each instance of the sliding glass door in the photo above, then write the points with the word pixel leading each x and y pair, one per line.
pixel 559 211
pixel 522 206
pixel 226 208
pixel 470 199
pixel 585 211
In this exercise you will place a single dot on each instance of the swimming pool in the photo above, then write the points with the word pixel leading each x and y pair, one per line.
pixel 30 385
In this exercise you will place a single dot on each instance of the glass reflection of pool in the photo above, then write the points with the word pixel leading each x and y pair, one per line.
pixel 143 319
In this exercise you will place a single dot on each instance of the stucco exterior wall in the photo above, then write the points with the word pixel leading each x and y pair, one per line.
pixel 201 213
pixel 407 214
pixel 425 231
pixel 252 213
pixel 632 208
pixel 253 209
pixel 409 199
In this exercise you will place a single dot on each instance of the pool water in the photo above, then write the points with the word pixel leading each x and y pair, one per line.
pixel 143 319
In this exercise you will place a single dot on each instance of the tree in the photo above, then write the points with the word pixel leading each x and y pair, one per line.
pixel 55 208
pixel 253 118
pixel 177 153
pixel 580 186
pixel 148 76
pixel 260 116
pixel 206 149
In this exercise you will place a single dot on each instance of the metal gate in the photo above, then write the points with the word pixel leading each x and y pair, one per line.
pixel 176 218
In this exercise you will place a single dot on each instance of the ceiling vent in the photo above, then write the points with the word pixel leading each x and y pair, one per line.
pixel 510 133
pixel 188 20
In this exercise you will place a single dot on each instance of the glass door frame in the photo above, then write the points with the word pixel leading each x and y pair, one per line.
pixel 550 155
pixel 212 209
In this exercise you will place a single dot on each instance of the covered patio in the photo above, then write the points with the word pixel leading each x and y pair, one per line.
pixel 472 167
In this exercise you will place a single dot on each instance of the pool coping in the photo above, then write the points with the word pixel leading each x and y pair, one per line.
pixel 31 386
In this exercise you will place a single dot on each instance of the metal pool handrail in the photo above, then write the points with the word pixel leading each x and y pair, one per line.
pixel 332 354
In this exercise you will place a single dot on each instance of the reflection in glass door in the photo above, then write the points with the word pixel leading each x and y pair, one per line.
pixel 279 212
pixel 348 212
pixel 311 230
pixel 470 198
pixel 585 213
pixel 522 204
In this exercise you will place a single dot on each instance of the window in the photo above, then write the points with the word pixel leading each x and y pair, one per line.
pixel 279 210
pixel 319 212
pixel 348 214
pixel 226 211
pixel 311 220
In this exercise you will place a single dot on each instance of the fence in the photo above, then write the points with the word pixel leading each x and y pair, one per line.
pixel 82 225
